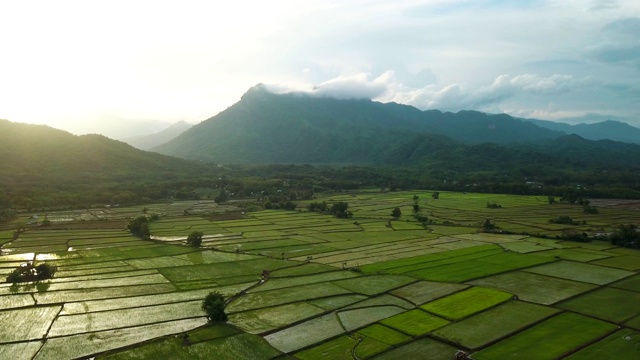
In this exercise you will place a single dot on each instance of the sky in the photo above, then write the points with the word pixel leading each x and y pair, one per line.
pixel 92 66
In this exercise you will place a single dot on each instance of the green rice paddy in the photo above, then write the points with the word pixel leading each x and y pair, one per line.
pixel 334 288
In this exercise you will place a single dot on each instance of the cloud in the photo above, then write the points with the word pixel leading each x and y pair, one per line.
pixel 455 97
pixel 357 86
pixel 619 43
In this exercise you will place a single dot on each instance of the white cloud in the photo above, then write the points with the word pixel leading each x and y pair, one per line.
pixel 456 97
pixel 357 86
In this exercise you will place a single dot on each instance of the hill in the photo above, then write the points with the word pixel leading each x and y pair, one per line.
pixel 146 142
pixel 610 129
pixel 42 165
pixel 293 128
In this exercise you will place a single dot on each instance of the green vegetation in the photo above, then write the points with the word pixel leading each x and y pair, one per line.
pixel 549 339
pixel 195 239
pixel 30 272
pixel 213 306
pixel 415 322
pixel 479 330
pixel 309 284
pixel 465 303
pixel 623 344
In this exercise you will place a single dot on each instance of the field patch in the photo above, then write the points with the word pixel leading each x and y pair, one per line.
pixel 417 350
pixel 261 320
pixel 467 302
pixel 573 255
pixel 424 291
pixel 631 283
pixel 610 304
pixel 336 302
pixel 623 344
pixel 534 287
pixel 279 283
pixel 26 324
pixel 20 351
pixel 278 297
pixel 415 322
pixel 374 284
pixel 588 273
pixel 357 318
pixel 98 321
pixel 339 348
pixel 384 334
pixel 479 330
pixel 549 339
pixel 305 334
pixel 626 262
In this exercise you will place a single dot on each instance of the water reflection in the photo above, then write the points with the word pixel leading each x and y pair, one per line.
pixel 47 257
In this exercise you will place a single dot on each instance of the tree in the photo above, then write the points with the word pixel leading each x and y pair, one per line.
pixel 416 209
pixel 488 226
pixel 339 209
pixel 396 212
pixel 415 199
pixel 222 197
pixel 626 236
pixel 436 195
pixel 30 272
pixel 213 306
pixel 195 238
pixel 140 227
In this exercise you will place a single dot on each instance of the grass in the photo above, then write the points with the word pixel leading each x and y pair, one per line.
pixel 549 339
pixel 467 302
pixel 415 322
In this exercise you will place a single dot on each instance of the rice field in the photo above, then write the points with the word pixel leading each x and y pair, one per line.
pixel 370 286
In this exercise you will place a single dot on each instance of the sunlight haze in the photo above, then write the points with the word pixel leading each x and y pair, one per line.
pixel 85 66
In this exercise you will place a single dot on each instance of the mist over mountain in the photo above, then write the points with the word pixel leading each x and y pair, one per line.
pixel 146 142
pixel 44 156
pixel 609 129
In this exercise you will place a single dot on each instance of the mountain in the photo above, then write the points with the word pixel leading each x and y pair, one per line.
pixel 609 129
pixel 39 155
pixel 146 142
pixel 295 128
